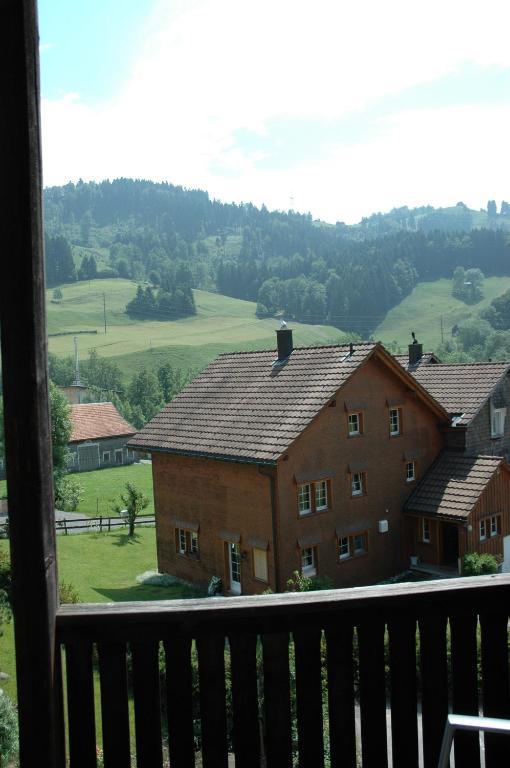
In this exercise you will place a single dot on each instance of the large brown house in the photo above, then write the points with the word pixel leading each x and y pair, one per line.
pixel 265 466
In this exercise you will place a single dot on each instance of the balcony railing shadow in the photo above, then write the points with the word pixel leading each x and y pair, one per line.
pixel 277 679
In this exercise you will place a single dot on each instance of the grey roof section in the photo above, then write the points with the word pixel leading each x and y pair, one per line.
pixel 245 408
pixel 461 388
pixel 453 485
pixel 428 358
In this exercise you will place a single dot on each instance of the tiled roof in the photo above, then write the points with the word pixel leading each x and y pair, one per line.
pixel 243 406
pixel 428 358
pixel 452 485
pixel 95 420
pixel 460 388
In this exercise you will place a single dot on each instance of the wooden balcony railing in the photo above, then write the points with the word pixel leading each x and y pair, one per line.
pixel 282 679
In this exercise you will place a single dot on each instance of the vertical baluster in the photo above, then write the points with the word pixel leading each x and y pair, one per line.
pixel 496 694
pixel 307 647
pixel 181 741
pixel 114 705
pixel 211 666
pixel 404 720
pixel 374 746
pixel 149 752
pixel 434 680
pixel 342 726
pixel 243 650
pixel 277 701
pixel 465 686
pixel 80 704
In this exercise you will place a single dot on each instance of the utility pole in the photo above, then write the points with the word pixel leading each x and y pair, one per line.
pixel 442 334
pixel 104 311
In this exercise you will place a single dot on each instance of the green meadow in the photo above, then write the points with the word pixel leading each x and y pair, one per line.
pixel 222 324
pixel 423 309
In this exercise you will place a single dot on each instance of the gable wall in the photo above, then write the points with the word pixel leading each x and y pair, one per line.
pixel 326 446
pixel 221 496
pixel 478 433
pixel 495 500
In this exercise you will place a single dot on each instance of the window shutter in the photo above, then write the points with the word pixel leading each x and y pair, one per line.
pixel 260 564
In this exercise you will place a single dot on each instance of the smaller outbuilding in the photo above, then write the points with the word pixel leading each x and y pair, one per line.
pixel 99 437
pixel 461 505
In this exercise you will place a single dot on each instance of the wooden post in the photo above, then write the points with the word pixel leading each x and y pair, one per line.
pixel 25 384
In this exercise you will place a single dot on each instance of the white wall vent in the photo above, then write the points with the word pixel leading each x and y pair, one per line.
pixel 383 526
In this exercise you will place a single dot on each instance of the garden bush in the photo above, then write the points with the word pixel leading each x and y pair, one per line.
pixel 474 564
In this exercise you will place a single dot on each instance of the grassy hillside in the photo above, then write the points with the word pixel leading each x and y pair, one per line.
pixel 422 310
pixel 221 324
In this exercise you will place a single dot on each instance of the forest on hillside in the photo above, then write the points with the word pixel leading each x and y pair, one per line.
pixel 172 239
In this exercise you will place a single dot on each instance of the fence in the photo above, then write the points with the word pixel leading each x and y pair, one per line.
pixel 99 523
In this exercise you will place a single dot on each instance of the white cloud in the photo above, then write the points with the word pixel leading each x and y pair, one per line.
pixel 208 68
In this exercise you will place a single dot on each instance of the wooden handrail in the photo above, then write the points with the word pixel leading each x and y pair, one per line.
pixel 277 611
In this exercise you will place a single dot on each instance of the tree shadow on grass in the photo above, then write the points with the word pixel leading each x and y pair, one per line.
pixel 122 539
pixel 149 592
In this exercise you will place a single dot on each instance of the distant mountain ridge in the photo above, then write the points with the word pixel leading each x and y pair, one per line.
pixel 287 262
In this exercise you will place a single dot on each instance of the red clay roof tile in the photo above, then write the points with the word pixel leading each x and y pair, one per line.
pixel 92 421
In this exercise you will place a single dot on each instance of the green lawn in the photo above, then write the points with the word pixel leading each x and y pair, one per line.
pixel 105 485
pixel 221 324
pixel 422 310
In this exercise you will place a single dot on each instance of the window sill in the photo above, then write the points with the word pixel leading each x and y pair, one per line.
pixel 313 513
pixel 310 573
pixel 354 556
pixel 188 555
pixel 355 434
pixel 359 495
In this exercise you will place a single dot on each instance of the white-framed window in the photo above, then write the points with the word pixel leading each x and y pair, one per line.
pixel 344 550
pixel 186 541
pixel 357 483
pixel 353 545
pixel 354 421
pixel 304 499
pixel 118 455
pixel 394 421
pixel 321 495
pixel 260 564
pixel 490 527
pixel 498 416
pixel 410 472
pixel 308 565
pixel 106 457
pixel 425 531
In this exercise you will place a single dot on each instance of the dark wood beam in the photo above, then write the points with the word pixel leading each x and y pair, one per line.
pixel 25 385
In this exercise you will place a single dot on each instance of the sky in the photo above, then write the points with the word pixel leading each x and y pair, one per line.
pixel 337 108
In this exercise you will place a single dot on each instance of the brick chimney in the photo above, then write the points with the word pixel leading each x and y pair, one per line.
pixel 284 341
pixel 415 351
